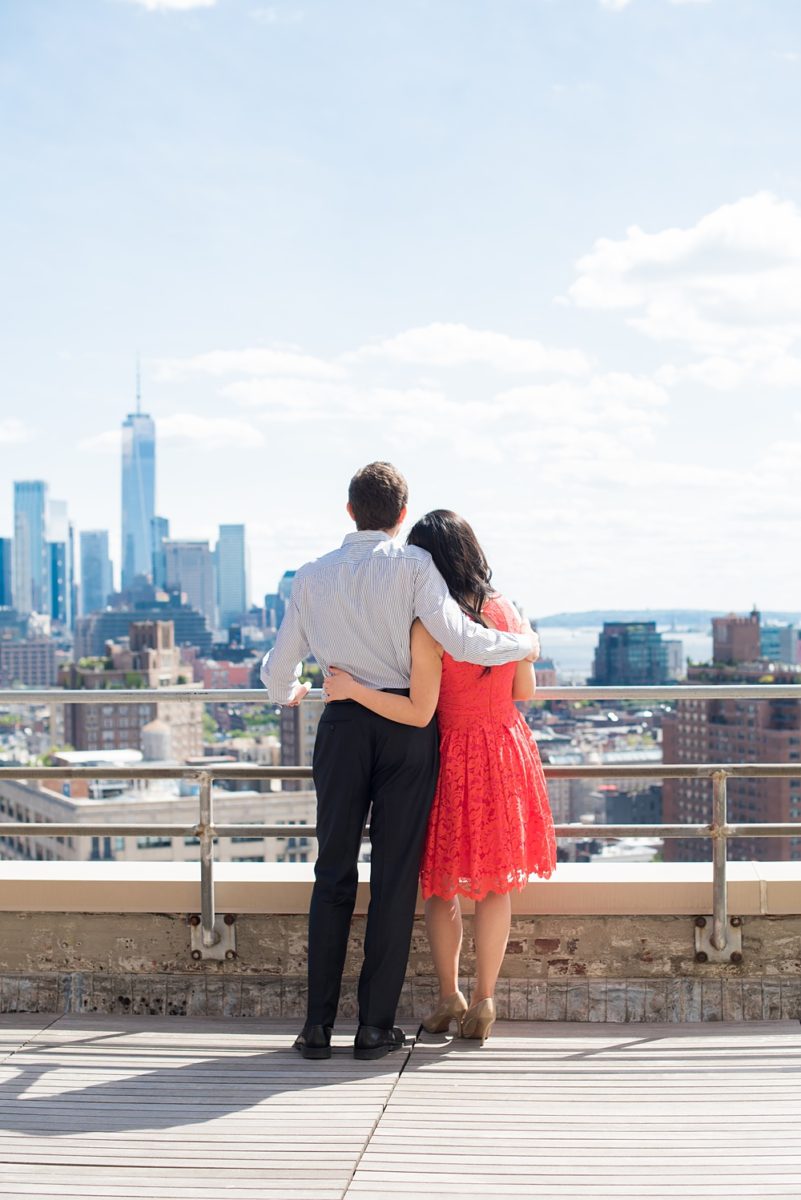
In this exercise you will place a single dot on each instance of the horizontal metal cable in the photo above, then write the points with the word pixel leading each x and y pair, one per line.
pixel 189 693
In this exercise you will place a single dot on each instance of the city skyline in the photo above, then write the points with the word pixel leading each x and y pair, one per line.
pixel 547 261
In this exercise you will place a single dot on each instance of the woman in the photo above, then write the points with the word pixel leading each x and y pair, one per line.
pixel 490 825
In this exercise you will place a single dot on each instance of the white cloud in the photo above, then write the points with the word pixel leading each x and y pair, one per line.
pixel 14 431
pixel 190 429
pixel 210 433
pixel 619 5
pixel 727 289
pixel 778 464
pixel 107 442
pixel 305 402
pixel 717 372
pixel 291 400
pixel 284 386
pixel 473 421
pixel 258 361
pixel 631 400
pixel 576 424
pixel 445 344
pixel 173 5
pixel 583 433
pixel 272 14
pixel 743 365
pixel 784 370
pixel 584 471
pixel 599 414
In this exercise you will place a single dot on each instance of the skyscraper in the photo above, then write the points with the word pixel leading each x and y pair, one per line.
pixel 189 568
pixel 59 608
pixel 231 573
pixel 138 493
pixel 96 577
pixel 31 556
pixel 284 592
pixel 629 653
pixel 73 574
pixel 61 567
pixel 159 532
pixel 6 580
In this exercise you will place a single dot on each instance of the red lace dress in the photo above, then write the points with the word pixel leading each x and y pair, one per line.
pixel 490 825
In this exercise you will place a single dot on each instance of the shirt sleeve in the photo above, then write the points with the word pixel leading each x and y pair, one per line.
pixel 464 640
pixel 281 666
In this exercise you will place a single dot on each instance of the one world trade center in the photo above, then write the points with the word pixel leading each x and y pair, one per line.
pixel 138 493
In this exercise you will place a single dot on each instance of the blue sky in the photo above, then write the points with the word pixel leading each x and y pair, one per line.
pixel 545 255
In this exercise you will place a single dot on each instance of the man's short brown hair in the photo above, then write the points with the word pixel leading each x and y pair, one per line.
pixel 378 494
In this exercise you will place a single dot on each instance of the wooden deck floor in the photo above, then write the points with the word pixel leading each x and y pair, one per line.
pixel 113 1107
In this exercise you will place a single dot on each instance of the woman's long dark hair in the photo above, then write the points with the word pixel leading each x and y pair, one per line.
pixel 457 556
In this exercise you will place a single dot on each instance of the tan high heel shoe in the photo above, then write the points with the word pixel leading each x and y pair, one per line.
pixel 479 1019
pixel 452 1008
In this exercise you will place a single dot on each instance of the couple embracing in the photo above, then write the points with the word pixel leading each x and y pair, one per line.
pixel 403 632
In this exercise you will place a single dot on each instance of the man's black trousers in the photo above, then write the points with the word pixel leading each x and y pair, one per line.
pixel 360 760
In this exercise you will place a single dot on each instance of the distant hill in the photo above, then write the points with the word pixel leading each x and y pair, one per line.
pixel 682 618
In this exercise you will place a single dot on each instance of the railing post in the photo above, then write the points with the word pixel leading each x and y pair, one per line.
pixel 209 934
pixel 720 918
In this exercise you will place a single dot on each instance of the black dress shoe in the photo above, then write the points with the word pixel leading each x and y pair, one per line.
pixel 314 1041
pixel 372 1042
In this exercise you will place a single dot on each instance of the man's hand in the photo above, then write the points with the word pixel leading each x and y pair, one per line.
pixel 298 692
pixel 535 644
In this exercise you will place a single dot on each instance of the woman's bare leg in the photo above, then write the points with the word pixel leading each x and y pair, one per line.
pixel 444 925
pixel 492 922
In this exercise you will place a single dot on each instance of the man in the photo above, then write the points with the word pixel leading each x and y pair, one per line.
pixel 354 608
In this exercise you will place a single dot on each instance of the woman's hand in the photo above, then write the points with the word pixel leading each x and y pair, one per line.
pixel 339 685
pixel 301 689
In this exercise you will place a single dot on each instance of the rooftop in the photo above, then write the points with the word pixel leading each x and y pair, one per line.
pixel 182 1107
pixel 652 1051
pixel 96 758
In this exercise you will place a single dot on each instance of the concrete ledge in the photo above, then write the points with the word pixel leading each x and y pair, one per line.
pixel 600 889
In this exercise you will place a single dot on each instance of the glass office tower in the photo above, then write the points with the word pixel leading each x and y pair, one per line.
pixel 138 495
pixel 31 572
pixel 231 574
pixel 96 575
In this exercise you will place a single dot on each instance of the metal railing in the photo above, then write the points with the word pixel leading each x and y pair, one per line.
pixel 719 830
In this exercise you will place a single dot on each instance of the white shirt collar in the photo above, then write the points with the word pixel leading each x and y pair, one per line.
pixel 366 535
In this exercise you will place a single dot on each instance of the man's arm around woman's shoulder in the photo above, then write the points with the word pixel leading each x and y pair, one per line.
pixel 465 640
